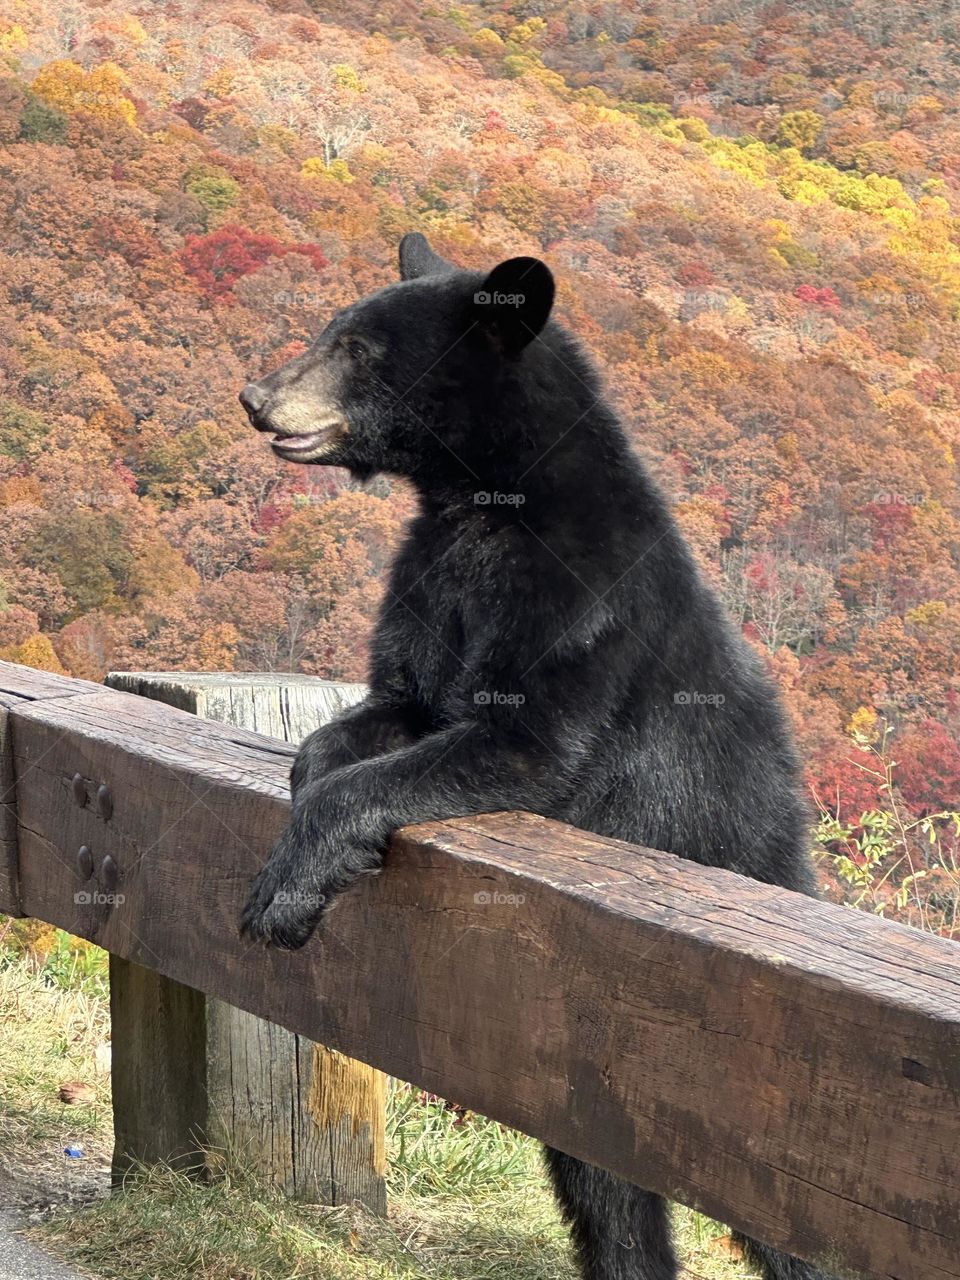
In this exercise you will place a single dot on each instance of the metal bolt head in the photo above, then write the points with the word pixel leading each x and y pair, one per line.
pixel 105 802
pixel 79 789
pixel 109 874
pixel 85 862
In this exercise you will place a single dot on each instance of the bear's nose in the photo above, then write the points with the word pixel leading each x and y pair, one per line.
pixel 253 398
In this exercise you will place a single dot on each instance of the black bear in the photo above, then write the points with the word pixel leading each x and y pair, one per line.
pixel 545 642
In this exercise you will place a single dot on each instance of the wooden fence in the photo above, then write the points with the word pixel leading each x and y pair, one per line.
pixel 788 1066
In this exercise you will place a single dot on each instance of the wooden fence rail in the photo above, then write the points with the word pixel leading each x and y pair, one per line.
pixel 791 1067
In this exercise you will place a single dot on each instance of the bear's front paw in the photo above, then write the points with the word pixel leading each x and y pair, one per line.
pixel 313 862
pixel 288 897
pixel 281 917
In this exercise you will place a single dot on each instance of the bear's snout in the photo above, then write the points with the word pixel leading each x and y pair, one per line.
pixel 253 398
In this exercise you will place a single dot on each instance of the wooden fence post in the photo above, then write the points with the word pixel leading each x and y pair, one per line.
pixel 307 1119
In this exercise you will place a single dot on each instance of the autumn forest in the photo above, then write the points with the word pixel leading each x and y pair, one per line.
pixel 753 212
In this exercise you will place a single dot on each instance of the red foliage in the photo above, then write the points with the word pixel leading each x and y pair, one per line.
pixel 194 110
pixel 313 252
pixel 695 275
pixel 888 520
pixel 928 767
pixel 717 493
pixel 682 459
pixel 271 516
pixel 218 260
pixel 761 573
pixel 124 475
pixel 494 122
pixel 846 785
pixel 824 297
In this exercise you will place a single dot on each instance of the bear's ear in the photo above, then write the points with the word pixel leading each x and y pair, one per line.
pixel 514 302
pixel 418 259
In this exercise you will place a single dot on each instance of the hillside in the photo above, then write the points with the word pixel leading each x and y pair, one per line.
pixel 753 218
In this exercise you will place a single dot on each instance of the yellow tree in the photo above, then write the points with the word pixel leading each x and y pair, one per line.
pixel 800 129
pixel 100 92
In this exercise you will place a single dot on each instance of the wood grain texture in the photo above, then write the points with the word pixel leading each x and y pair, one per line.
pixel 158 1069
pixel 18 685
pixel 791 1067
pixel 304 1119
pixel 284 705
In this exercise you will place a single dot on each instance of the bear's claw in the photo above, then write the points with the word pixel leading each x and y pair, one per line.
pixel 285 903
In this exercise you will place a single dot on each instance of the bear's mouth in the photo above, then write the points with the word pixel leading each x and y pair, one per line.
pixel 310 446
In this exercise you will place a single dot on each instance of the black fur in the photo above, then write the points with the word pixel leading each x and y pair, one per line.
pixel 546 642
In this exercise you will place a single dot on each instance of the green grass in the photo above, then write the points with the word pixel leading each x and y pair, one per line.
pixel 55 956
pixel 468 1197
pixel 433 1152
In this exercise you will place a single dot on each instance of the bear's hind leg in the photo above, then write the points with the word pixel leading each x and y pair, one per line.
pixel 775 1265
pixel 619 1231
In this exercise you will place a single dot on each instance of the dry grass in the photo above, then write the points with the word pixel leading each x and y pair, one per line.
pixel 50 1034
pixel 166 1227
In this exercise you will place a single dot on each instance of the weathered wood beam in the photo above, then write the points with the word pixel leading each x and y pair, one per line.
pixel 281 704
pixel 158 1070
pixel 791 1067
pixel 19 685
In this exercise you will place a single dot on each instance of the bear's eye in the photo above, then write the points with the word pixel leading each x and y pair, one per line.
pixel 355 349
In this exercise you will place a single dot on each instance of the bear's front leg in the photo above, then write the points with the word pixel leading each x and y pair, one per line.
pixel 314 860
pixel 340 822
pixel 371 728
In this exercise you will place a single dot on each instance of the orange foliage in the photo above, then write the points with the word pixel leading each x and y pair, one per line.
pixel 757 245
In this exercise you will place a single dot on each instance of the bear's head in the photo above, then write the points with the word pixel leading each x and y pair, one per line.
pixel 412 379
